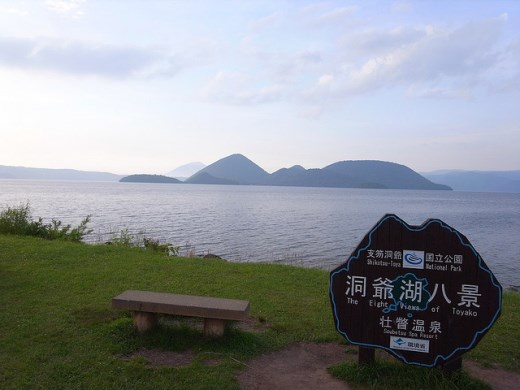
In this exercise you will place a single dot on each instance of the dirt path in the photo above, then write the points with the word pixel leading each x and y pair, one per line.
pixel 304 366
pixel 498 378
pixel 301 366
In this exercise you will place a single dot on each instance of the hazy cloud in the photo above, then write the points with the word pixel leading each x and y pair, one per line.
pixel 378 42
pixel 427 62
pixel 322 15
pixel 508 73
pixel 337 14
pixel 79 58
pixel 438 92
pixel 72 8
pixel 240 89
pixel 401 7
pixel 405 57
pixel 265 22
pixel 309 57
pixel 271 78
pixel 14 11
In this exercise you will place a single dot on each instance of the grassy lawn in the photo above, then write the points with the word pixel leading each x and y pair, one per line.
pixel 58 329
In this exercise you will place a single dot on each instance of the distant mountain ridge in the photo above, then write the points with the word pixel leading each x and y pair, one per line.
pixel 186 170
pixel 238 169
pixel 10 172
pixel 478 181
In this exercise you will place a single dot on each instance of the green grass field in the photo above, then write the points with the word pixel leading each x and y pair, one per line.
pixel 58 329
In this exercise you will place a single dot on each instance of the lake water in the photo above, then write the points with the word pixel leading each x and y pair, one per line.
pixel 310 227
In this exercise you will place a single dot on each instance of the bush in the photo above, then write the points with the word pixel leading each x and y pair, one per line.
pixel 156 246
pixel 18 221
pixel 124 238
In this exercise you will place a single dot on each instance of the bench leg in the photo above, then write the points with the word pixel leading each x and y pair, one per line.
pixel 214 327
pixel 144 321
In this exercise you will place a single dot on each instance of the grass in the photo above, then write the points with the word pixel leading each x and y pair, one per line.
pixel 388 375
pixel 58 329
pixel 501 346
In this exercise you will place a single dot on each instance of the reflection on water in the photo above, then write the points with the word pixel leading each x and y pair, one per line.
pixel 312 227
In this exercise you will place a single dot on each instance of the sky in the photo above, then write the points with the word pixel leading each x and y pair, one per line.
pixel 147 86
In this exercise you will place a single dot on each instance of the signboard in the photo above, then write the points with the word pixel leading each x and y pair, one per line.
pixel 422 293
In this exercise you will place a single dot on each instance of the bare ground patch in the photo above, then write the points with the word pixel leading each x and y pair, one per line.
pixel 252 324
pixel 301 366
pixel 498 378
pixel 304 366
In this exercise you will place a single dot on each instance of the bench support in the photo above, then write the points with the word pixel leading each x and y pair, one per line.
pixel 214 327
pixel 144 321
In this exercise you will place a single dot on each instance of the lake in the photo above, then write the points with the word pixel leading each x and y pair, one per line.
pixel 309 227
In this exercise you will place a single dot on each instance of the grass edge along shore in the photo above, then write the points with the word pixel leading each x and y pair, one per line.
pixel 59 330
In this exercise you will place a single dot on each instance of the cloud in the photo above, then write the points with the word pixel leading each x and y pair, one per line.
pixel 438 92
pixel 73 8
pixel 265 22
pixel 240 89
pixel 323 16
pixel 508 69
pixel 401 57
pixel 372 42
pixel 263 78
pixel 309 57
pixel 434 62
pixel 337 15
pixel 13 11
pixel 325 80
pixel 79 58
pixel 401 7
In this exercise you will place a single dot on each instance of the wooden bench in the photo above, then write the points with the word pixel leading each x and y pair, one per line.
pixel 215 311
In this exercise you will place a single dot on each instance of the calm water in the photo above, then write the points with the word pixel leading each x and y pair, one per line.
pixel 312 227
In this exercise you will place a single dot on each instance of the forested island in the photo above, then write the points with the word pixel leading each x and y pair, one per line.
pixel 141 178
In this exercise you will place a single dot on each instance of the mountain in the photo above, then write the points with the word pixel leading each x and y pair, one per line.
pixel 478 181
pixel 10 172
pixel 186 170
pixel 235 168
pixel 206 178
pixel 149 179
pixel 301 177
pixel 387 174
pixel 239 170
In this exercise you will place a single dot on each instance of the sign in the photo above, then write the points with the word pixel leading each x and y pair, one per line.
pixel 422 293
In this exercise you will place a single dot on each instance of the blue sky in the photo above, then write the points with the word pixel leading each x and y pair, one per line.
pixel 147 86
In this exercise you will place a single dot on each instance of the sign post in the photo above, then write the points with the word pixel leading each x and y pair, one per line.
pixel 421 293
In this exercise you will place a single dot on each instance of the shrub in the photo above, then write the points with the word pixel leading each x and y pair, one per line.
pixel 18 220
pixel 124 238
pixel 156 246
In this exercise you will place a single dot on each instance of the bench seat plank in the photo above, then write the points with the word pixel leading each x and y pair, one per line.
pixel 184 305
